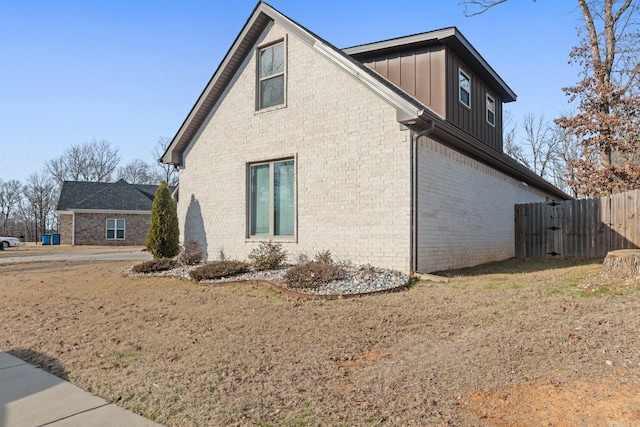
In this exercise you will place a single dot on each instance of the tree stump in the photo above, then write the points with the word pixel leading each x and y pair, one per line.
pixel 622 264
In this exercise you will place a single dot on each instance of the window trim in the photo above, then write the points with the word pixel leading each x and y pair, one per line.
pixel 461 72
pixel 491 99
pixel 115 229
pixel 271 235
pixel 259 50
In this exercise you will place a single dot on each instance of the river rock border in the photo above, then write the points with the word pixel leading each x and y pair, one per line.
pixel 358 280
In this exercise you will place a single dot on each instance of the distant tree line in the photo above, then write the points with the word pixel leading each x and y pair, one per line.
pixel 27 209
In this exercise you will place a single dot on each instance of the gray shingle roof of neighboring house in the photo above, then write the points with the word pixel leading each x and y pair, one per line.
pixel 112 196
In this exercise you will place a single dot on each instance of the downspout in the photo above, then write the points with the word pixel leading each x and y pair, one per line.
pixel 414 195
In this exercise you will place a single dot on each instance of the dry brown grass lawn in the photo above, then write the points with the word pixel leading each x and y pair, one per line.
pixel 508 344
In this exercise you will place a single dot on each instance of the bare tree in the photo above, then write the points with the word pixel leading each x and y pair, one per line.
pixel 607 123
pixel 564 173
pixel 137 172
pixel 39 199
pixel 544 143
pixel 164 172
pixel 538 149
pixel 104 161
pixel 546 149
pixel 94 161
pixel 10 194
pixel 476 7
pixel 509 135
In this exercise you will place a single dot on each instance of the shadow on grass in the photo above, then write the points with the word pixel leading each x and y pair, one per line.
pixel 518 266
pixel 42 361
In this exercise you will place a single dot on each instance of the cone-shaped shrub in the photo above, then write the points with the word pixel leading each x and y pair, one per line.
pixel 163 237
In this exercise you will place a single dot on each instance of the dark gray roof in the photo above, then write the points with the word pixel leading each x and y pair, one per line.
pixel 113 196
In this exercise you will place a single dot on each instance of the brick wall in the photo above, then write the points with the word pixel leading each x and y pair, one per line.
pixel 352 165
pixel 466 209
pixel 91 229
pixel 66 228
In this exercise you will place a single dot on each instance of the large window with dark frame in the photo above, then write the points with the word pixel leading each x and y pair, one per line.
pixel 115 229
pixel 464 88
pixel 272 198
pixel 491 110
pixel 271 75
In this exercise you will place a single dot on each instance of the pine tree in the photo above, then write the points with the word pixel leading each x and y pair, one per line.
pixel 163 237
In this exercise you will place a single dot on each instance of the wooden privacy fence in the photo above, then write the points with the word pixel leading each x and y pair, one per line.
pixel 586 228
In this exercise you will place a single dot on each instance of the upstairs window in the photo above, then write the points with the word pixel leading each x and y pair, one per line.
pixel 491 111
pixel 271 67
pixel 464 90
pixel 272 198
pixel 115 229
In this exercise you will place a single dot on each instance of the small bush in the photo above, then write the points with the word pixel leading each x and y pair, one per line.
pixel 324 256
pixel 191 253
pixel 313 274
pixel 218 269
pixel 268 256
pixel 155 265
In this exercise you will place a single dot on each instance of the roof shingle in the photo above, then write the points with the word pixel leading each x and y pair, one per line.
pixel 114 196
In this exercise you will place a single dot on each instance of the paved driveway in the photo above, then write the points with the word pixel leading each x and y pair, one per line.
pixel 62 253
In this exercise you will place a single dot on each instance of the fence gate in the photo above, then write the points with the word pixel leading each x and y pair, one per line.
pixel 553 229
pixel 586 228
pixel 539 230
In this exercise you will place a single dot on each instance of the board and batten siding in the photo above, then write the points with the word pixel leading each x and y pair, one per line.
pixel 419 72
pixel 430 74
pixel 472 120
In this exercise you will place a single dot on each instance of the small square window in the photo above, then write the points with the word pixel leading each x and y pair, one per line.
pixel 115 229
pixel 271 74
pixel 464 85
pixel 491 111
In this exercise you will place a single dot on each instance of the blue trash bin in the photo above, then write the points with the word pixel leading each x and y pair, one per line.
pixel 46 239
pixel 55 239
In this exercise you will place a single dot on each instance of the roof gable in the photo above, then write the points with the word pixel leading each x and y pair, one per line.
pixel 453 39
pixel 409 111
pixel 262 16
pixel 116 196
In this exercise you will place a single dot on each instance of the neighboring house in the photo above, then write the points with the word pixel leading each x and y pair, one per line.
pixel 105 213
pixel 388 153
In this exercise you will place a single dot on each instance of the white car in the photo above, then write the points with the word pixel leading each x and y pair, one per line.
pixel 9 242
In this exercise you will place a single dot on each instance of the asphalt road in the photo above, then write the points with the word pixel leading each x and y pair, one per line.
pixel 88 254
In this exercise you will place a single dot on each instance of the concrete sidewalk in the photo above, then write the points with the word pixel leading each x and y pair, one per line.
pixel 31 397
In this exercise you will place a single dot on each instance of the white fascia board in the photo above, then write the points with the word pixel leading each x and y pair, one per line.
pixel 168 156
pixel 406 107
pixel 399 41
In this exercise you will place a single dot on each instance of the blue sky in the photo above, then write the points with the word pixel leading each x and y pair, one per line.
pixel 129 71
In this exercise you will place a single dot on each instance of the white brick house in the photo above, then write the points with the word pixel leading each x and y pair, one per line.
pixel 294 140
